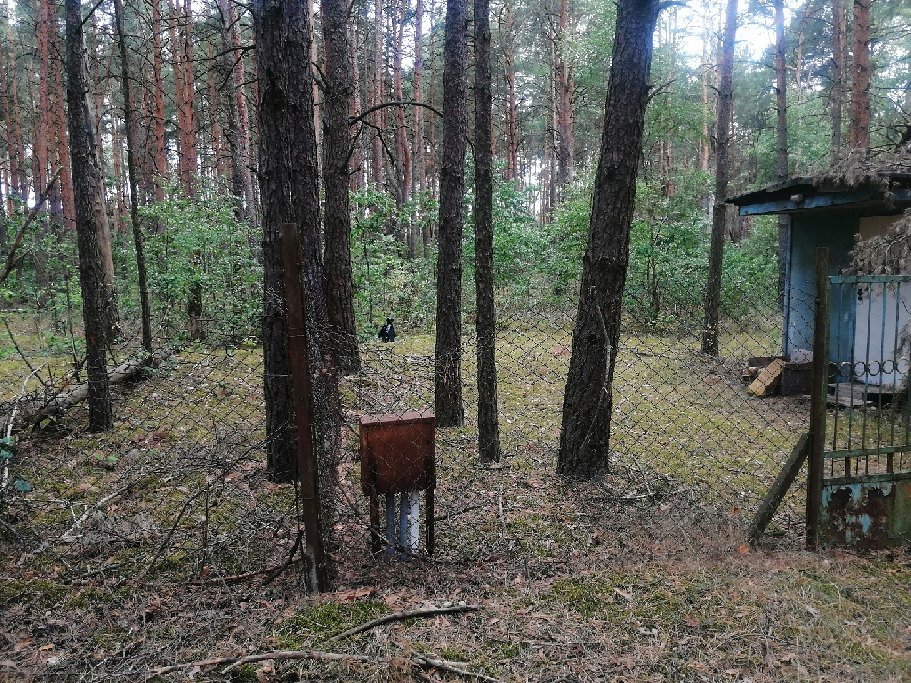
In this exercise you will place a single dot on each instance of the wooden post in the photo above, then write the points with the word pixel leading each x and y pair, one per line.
pixel 302 396
pixel 818 398
pixel 778 490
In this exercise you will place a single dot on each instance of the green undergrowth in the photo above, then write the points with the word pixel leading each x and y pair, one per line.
pixel 317 623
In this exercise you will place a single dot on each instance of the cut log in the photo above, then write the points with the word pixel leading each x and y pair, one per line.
pixel 768 379
pixel 33 412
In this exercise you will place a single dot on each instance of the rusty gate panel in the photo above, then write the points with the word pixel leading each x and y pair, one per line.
pixel 867 513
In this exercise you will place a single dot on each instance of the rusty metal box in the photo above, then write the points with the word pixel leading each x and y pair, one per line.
pixel 398 453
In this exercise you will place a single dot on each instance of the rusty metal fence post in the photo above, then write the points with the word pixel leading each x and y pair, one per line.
pixel 302 396
pixel 818 398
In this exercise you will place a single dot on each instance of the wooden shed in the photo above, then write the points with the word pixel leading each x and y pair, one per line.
pixel 826 213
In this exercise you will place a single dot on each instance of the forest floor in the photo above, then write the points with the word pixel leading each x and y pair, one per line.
pixel 152 545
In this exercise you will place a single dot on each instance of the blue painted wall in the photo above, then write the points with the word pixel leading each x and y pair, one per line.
pixel 808 233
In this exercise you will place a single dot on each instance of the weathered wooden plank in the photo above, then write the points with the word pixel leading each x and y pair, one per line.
pixel 777 492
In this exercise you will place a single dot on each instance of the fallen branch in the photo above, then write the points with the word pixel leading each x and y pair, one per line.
pixel 286 655
pixel 66 399
pixel 240 578
pixel 401 616
pixel 68 536
pixel 449 668
pixel 21 353
pixel 316 655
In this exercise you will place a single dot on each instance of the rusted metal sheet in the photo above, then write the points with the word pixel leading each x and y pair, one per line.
pixel 867 513
pixel 398 453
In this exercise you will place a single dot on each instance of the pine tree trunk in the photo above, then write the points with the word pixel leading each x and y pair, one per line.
pixel 6 103
pixel 403 150
pixel 336 144
pixel 189 98
pixel 119 199
pixel 91 221
pixel 379 76
pixel 705 148
pixel 275 192
pixel 859 130
pixel 357 106
pixel 160 163
pixel 837 95
pixel 239 105
pixel 448 366
pixel 719 214
pixel 19 173
pixel 216 132
pixel 512 130
pixel 485 324
pixel 781 99
pixel 58 117
pixel 432 165
pixel 417 144
pixel 585 435
pixel 564 108
pixel 232 134
pixel 315 68
pixel 11 117
pixel 132 176
pixel 42 129
pixel 290 194
pixel 183 174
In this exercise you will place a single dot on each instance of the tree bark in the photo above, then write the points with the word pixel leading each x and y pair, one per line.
pixel 379 77
pixel 91 221
pixel 485 324
pixel 837 95
pixel 336 146
pixel 418 112
pixel 40 148
pixel 781 101
pixel 11 117
pixel 705 148
pixel 585 434
pixel 58 116
pixel 403 150
pixel 564 108
pixel 357 152
pixel 19 172
pixel 236 103
pixel 448 370
pixel 189 98
pixel 160 163
pixel 239 173
pixel 859 130
pixel 509 66
pixel 290 194
pixel 130 123
pixel 217 135
pixel 722 172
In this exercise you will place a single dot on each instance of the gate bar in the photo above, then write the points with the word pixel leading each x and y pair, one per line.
pixel 818 399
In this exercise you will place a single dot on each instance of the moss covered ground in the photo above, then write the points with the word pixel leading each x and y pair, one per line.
pixel 154 543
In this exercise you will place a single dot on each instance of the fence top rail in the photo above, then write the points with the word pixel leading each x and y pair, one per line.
pixel 868 279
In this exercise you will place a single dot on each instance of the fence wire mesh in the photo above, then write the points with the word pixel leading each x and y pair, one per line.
pixel 689 438
pixel 179 491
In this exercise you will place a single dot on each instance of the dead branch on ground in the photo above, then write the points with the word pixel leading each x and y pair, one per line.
pixel 316 655
pixel 401 616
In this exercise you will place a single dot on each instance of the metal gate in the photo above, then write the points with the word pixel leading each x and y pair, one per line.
pixel 859 485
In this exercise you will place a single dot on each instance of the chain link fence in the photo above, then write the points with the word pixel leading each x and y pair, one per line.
pixel 688 437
